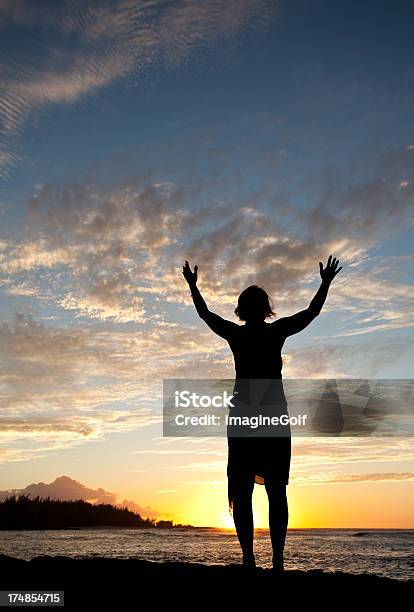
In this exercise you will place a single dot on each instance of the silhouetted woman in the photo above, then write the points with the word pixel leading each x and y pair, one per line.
pixel 256 347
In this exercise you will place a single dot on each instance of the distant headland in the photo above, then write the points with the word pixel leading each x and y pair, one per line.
pixel 23 512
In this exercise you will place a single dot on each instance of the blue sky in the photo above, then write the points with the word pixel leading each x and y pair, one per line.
pixel 251 137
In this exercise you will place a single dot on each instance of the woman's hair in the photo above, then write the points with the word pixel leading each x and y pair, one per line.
pixel 254 303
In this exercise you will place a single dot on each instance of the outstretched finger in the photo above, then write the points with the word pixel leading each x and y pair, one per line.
pixel 320 267
pixel 338 270
pixel 328 265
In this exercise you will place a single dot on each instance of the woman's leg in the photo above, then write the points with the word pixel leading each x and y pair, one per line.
pixel 278 520
pixel 243 516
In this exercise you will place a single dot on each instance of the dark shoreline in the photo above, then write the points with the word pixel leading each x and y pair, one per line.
pixel 352 530
pixel 91 580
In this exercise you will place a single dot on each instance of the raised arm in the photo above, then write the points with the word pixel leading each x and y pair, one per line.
pixel 294 324
pixel 217 324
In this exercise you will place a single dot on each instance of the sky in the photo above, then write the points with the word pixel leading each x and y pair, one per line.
pixel 251 137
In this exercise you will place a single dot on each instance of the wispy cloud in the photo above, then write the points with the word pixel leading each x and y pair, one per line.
pixel 318 478
pixel 175 451
pixel 375 477
pixel 114 39
pixel 115 253
pixel 350 451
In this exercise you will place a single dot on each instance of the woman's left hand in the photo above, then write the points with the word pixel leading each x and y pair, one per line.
pixel 189 275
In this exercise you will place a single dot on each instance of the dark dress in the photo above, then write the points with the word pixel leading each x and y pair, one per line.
pixel 258 363
pixel 257 352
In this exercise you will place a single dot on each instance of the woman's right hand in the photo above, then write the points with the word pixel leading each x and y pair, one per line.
pixel 330 271
pixel 189 275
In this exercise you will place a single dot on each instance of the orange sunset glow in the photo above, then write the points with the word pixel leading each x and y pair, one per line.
pixel 253 139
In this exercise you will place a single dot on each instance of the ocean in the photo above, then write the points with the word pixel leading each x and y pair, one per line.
pixel 382 552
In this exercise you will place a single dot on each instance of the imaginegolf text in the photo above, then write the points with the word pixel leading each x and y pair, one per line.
pixel 208 420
